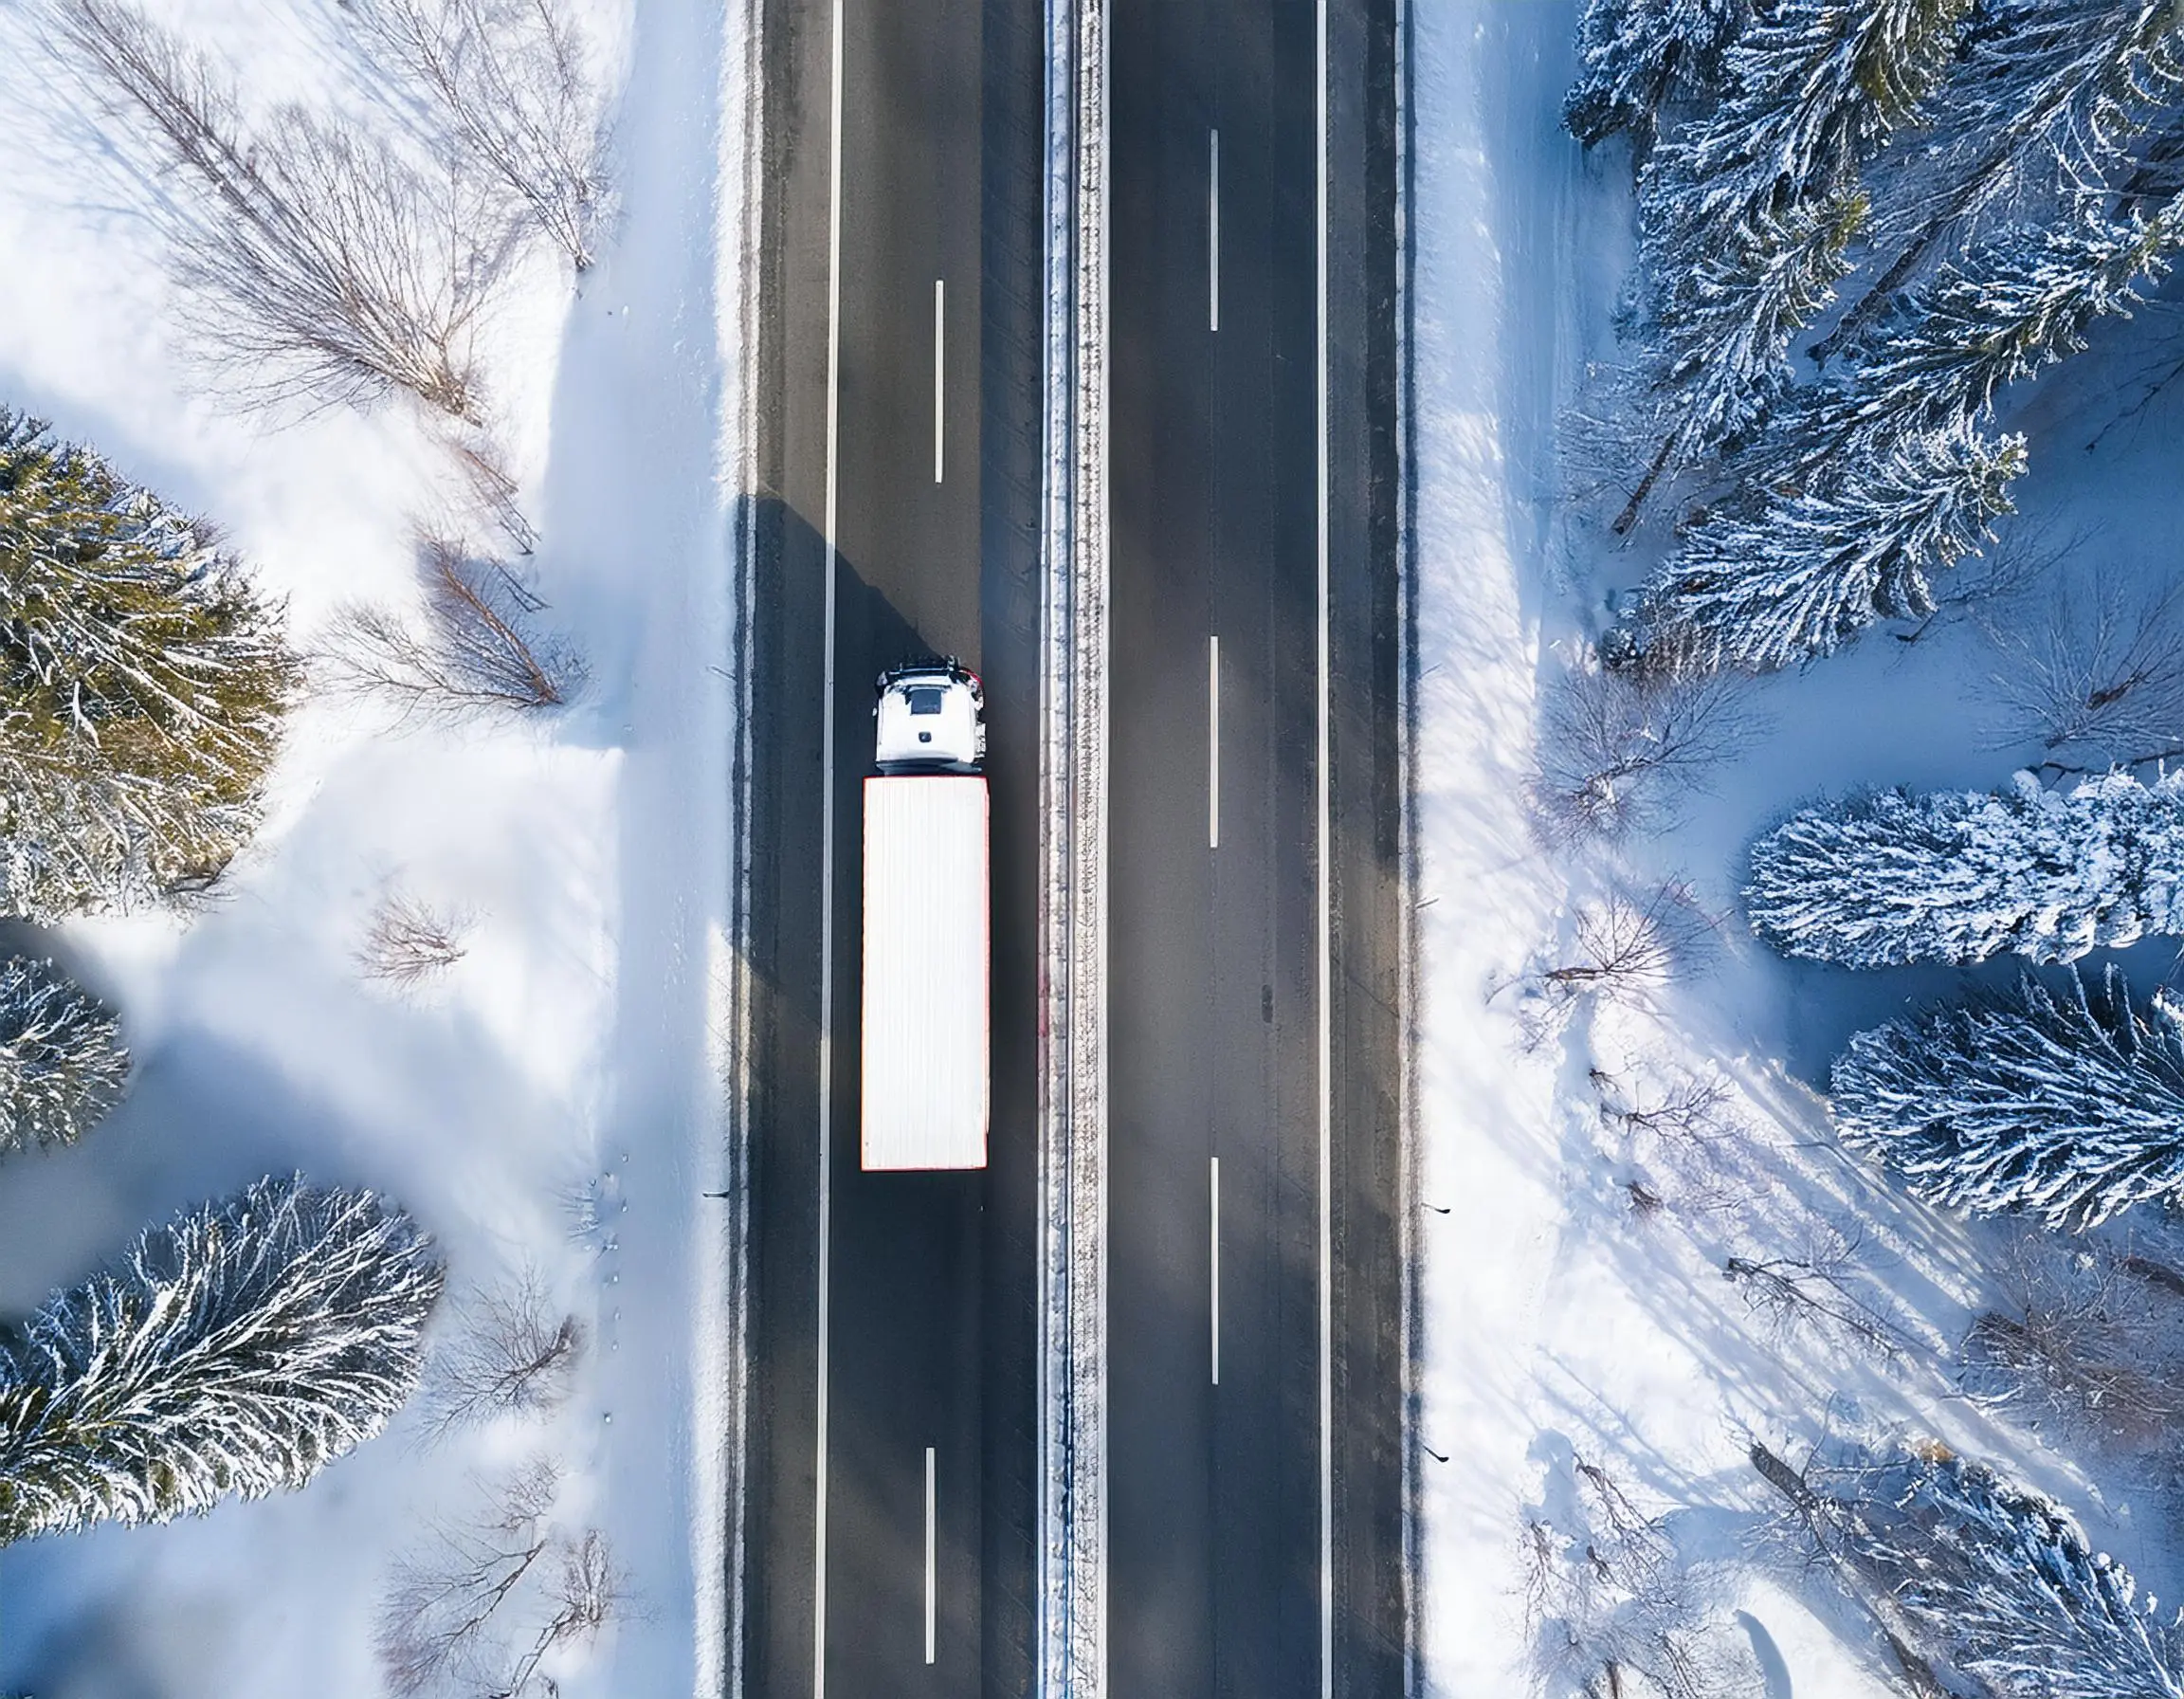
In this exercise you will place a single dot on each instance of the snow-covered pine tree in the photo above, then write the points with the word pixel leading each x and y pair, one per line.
pixel 1958 876
pixel 1636 55
pixel 2013 306
pixel 1864 484
pixel 1767 183
pixel 2038 117
pixel 1988 1580
pixel 61 1065
pixel 234 1352
pixel 1729 318
pixel 1771 582
pixel 142 686
pixel 1816 87
pixel 2068 1108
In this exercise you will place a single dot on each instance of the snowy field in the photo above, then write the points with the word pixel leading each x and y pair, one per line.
pixel 1595 1378
pixel 545 1106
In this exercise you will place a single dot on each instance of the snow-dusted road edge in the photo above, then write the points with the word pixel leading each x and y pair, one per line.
pixel 1072 1612
pixel 719 1410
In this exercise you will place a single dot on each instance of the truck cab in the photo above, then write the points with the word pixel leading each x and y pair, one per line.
pixel 930 716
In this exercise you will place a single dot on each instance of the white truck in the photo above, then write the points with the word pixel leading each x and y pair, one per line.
pixel 925 1093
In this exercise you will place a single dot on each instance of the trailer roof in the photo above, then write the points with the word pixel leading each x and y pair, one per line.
pixel 925 1064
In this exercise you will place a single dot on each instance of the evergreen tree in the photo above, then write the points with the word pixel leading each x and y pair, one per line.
pixel 1889 879
pixel 2068 1108
pixel 1636 55
pixel 236 1351
pixel 2039 116
pixel 142 685
pixel 1727 325
pixel 1774 581
pixel 61 1065
pixel 1994 1584
pixel 1766 185
pixel 1864 484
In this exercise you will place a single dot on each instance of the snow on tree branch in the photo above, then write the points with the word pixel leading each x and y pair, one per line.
pixel 146 685
pixel 1637 56
pixel 1991 1585
pixel 1890 878
pixel 62 1066
pixel 2069 1109
pixel 235 1352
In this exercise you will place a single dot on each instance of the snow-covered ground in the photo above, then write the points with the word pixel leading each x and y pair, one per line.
pixel 551 1102
pixel 1562 1323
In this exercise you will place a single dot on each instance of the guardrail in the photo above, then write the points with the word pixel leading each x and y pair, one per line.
pixel 1071 1611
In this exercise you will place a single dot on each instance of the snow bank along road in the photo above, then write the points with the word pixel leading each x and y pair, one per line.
pixel 1255 1525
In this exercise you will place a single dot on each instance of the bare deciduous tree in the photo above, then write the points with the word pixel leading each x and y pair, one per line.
pixel 1692 1109
pixel 509 80
pixel 1816 1289
pixel 586 1594
pixel 511 1352
pixel 1631 943
pixel 439 1625
pixel 1618 752
pixel 407 941
pixel 2094 677
pixel 325 267
pixel 1611 1608
pixel 479 1610
pixel 477 650
pixel 2093 1343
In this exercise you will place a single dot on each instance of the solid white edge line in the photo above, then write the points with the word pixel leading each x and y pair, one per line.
pixel 939 371
pixel 1213 1234
pixel 1213 743
pixel 827 887
pixel 1326 940
pixel 1213 235
pixel 930 1519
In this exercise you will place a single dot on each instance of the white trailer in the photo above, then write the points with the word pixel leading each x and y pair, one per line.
pixel 925 1094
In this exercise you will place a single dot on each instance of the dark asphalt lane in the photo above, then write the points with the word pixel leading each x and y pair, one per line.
pixel 1215 1518
pixel 930 1298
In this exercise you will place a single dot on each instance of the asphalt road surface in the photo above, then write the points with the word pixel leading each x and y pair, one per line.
pixel 888 1530
pixel 1255 1461
pixel 890 1526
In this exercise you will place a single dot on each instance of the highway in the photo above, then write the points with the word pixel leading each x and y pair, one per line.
pixel 1255 1525
pixel 1255 1454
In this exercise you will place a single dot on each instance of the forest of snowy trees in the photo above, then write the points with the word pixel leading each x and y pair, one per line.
pixel 1859 225
pixel 1865 229
pixel 146 684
